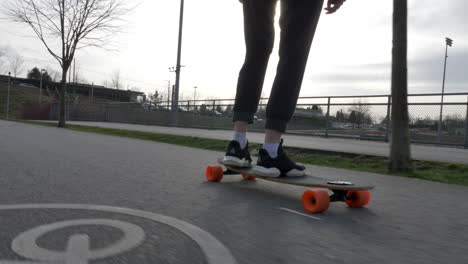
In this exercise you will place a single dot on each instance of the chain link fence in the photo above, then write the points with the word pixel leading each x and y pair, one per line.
pixel 433 119
pixel 5 96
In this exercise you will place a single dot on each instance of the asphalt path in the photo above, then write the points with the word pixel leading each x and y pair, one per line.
pixel 418 152
pixel 89 198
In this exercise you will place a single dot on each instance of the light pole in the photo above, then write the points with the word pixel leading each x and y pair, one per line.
pixel 92 92
pixel 172 69
pixel 168 92
pixel 448 42
pixel 194 96
pixel 8 97
pixel 175 101
pixel 174 91
pixel 40 87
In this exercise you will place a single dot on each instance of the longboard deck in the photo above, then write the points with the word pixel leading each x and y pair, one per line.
pixel 307 180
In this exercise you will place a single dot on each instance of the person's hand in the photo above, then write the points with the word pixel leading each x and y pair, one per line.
pixel 333 6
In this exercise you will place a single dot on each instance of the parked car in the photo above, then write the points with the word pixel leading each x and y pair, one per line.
pixel 27 85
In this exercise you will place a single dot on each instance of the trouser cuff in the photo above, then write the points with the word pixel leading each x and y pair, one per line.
pixel 243 116
pixel 276 124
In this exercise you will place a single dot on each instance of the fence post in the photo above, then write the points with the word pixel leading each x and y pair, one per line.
pixel 8 97
pixel 106 118
pixel 57 110
pixel 214 105
pixel 389 101
pixel 327 117
pixel 466 125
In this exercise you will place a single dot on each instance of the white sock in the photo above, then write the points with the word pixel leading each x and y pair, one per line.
pixel 241 138
pixel 272 149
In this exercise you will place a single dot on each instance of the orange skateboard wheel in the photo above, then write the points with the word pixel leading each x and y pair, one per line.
pixel 315 201
pixel 247 177
pixel 214 173
pixel 357 198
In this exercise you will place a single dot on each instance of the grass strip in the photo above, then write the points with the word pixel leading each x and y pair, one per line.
pixel 426 170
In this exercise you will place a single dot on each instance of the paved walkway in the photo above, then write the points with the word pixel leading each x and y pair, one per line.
pixel 419 152
pixel 121 200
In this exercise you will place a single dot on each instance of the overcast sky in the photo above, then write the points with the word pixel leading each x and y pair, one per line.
pixel 351 53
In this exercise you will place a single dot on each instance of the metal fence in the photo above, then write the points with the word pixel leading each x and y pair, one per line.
pixel 433 119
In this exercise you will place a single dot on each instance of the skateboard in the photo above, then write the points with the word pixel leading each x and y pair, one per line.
pixel 313 200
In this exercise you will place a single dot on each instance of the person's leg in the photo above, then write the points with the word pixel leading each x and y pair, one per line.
pixel 298 22
pixel 272 142
pixel 259 39
pixel 240 133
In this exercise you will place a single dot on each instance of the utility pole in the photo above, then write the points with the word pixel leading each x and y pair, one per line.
pixel 175 101
pixel 400 153
pixel 168 93
pixel 92 92
pixel 448 42
pixel 74 70
pixel 74 77
pixel 466 125
pixel 194 95
pixel 40 87
pixel 8 97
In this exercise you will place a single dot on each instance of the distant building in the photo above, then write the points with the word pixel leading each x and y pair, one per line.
pixel 95 91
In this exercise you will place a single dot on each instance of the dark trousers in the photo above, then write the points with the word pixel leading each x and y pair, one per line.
pixel 298 22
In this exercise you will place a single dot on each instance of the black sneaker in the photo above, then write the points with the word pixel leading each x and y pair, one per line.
pixel 279 166
pixel 236 156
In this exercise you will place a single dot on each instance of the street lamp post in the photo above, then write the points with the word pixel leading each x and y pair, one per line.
pixel 40 87
pixel 172 69
pixel 175 101
pixel 194 96
pixel 92 92
pixel 168 93
pixel 8 97
pixel 448 42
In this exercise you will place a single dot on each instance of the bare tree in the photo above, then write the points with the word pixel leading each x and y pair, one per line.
pixel 78 77
pixel 360 113
pixel 2 60
pixel 16 64
pixel 116 80
pixel 55 75
pixel 64 26
pixel 156 98
pixel 400 156
pixel 360 106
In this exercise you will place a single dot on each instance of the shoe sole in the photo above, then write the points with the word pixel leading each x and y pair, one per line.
pixel 295 173
pixel 236 162
pixel 266 172
pixel 275 173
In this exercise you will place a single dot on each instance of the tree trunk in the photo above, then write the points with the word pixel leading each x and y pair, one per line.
pixel 400 157
pixel 62 97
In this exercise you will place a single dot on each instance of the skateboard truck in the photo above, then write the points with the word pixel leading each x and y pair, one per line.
pixel 338 196
pixel 229 172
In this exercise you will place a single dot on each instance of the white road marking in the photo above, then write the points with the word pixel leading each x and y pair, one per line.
pixel 78 250
pixel 214 251
pixel 23 262
pixel 294 212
